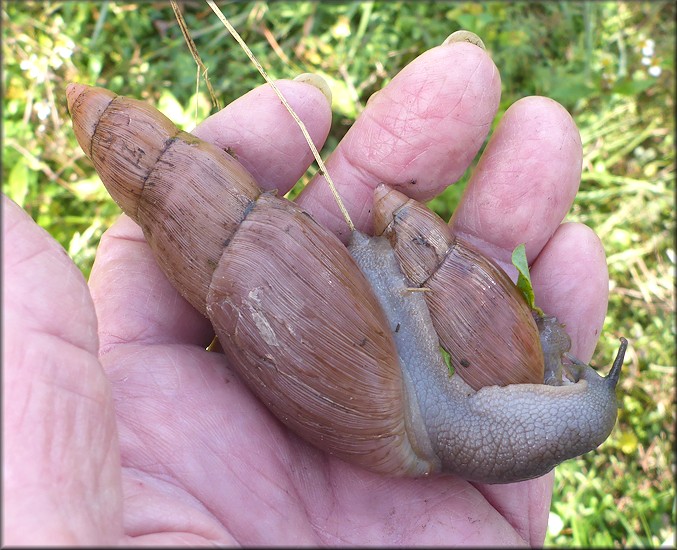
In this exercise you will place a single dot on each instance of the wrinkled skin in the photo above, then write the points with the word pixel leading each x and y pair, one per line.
pixel 127 431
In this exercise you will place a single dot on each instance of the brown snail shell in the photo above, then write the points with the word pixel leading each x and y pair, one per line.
pixel 482 318
pixel 254 308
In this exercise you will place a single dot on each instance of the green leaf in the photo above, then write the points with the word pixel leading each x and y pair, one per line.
pixel 343 101
pixel 17 181
pixel 90 189
pixel 447 361
pixel 632 87
pixel 95 65
pixel 519 260
pixel 172 109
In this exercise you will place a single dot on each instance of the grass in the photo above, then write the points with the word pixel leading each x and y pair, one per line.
pixel 600 60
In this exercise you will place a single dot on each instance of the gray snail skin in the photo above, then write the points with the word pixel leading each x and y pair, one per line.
pixel 342 344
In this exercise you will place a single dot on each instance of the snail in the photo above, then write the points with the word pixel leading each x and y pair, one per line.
pixel 343 344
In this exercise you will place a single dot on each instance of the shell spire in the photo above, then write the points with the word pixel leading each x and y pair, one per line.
pixel 133 147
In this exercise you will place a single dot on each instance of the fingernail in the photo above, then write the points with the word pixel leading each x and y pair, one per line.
pixel 464 36
pixel 317 81
pixel 372 96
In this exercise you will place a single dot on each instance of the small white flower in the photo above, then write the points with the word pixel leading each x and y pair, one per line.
pixel 341 28
pixel 655 71
pixel 64 51
pixel 648 47
pixel 42 109
pixel 34 67
pixel 555 524
pixel 646 61
pixel 60 53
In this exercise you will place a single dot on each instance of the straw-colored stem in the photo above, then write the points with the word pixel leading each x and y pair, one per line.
pixel 302 126
pixel 196 56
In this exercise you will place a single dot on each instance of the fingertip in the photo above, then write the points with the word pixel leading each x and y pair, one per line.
pixel 464 36
pixel 43 291
pixel 526 180
pixel 258 130
pixel 550 121
pixel 418 134
pixel 315 80
pixel 134 300
pixel 571 281
pixel 550 139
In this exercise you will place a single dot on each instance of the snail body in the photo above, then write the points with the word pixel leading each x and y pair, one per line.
pixel 333 340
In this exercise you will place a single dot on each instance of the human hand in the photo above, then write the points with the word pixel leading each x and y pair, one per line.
pixel 130 432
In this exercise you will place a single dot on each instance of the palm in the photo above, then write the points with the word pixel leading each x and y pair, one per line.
pixel 180 450
pixel 197 443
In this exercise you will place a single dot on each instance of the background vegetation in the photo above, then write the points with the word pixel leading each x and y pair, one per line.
pixel 610 64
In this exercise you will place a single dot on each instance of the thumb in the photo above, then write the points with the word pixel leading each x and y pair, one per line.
pixel 61 473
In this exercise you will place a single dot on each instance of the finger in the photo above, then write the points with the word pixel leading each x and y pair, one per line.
pixel 48 294
pixel 532 499
pixel 418 134
pixel 134 301
pixel 525 182
pixel 62 476
pixel 263 135
pixel 571 281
